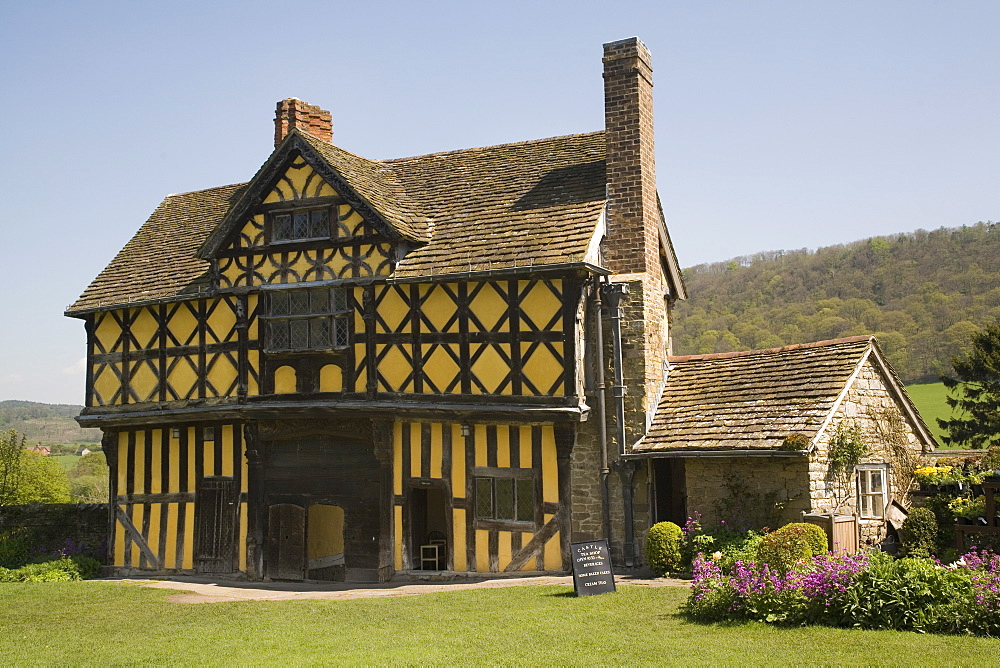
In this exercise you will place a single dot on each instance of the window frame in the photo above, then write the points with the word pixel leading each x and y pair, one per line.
pixel 337 316
pixel 332 223
pixel 863 491
pixel 522 511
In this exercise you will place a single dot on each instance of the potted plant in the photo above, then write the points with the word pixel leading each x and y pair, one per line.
pixel 968 509
pixel 931 478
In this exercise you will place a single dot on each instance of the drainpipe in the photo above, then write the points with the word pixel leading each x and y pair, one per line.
pixel 602 419
pixel 615 292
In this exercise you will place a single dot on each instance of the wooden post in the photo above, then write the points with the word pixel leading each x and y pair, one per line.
pixel 255 453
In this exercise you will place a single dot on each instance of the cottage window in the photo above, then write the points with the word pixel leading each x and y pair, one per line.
pixel 502 498
pixel 301 224
pixel 872 490
pixel 312 319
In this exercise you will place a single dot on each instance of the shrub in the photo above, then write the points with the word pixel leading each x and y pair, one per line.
pixel 663 547
pixel 790 544
pixel 919 533
pixel 15 549
pixel 59 570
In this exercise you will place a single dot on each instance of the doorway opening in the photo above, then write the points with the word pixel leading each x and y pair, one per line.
pixel 430 549
pixel 669 490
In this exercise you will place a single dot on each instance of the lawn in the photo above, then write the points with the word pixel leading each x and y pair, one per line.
pixel 117 623
pixel 929 400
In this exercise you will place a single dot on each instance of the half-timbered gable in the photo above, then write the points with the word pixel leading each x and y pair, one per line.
pixel 349 366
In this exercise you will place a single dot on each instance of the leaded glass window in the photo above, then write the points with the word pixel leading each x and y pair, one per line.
pixel 505 498
pixel 310 319
pixel 298 225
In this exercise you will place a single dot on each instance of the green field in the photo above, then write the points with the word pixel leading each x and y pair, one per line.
pixel 102 623
pixel 929 399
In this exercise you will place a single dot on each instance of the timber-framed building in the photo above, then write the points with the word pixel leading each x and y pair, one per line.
pixel 350 369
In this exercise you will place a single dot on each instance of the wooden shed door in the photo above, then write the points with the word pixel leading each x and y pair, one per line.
pixel 286 542
pixel 215 525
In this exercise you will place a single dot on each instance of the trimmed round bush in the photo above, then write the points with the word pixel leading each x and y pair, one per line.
pixel 790 544
pixel 663 547
pixel 919 532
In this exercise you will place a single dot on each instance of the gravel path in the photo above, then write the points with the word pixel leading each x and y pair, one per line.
pixel 201 590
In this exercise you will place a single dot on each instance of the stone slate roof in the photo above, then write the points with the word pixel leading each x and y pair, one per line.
pixel 161 260
pixel 751 400
pixel 513 205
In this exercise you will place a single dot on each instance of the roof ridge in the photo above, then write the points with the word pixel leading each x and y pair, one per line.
pixel 492 146
pixel 765 351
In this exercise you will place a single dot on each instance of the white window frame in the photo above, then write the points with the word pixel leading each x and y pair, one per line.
pixel 866 498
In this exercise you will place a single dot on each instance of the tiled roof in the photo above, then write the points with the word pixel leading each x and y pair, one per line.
pixel 751 400
pixel 161 261
pixel 512 205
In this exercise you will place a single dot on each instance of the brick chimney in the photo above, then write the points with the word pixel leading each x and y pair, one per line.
pixel 632 243
pixel 294 113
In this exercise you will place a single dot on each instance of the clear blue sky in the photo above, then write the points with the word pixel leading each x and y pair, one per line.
pixel 779 124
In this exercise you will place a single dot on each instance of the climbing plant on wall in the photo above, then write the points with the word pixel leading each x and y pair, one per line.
pixel 847 449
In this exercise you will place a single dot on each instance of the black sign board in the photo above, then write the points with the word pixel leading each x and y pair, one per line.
pixel 592 567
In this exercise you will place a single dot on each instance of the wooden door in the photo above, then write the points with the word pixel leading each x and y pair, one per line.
pixel 215 525
pixel 284 558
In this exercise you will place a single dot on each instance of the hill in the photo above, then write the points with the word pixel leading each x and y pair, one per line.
pixel 922 293
pixel 46 423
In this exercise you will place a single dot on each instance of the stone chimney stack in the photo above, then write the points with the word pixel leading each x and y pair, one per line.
pixel 633 241
pixel 294 113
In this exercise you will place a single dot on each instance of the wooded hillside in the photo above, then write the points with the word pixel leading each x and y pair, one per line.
pixel 46 423
pixel 922 293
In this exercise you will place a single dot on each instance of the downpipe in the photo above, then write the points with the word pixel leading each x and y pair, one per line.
pixel 602 421
pixel 615 294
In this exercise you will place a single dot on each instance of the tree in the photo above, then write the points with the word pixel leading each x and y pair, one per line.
pixel 975 392
pixel 88 481
pixel 11 447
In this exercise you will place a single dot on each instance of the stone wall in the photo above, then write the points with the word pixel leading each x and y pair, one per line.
pixel 51 528
pixel 707 481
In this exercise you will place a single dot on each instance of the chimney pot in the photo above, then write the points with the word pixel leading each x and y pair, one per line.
pixel 294 113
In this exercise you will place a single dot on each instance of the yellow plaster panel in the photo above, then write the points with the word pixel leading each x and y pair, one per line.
pixel 360 375
pixel 439 367
pixel 326 531
pixel 480 441
pixel 489 307
pixel 139 465
pixel 300 265
pixel 503 446
pixel 525 445
pixel 550 471
pixel 144 381
pixel 153 540
pixel 504 549
pixel 183 378
pixel 482 551
pixel 119 558
pixel 492 369
pixel 541 305
pixel 188 562
pixel 394 370
pixel 530 564
pixel 222 374
pixel 174 465
pixel 253 323
pixel 300 176
pixel 397 457
pixel 144 328
pixel 227 450
pixel 170 553
pixel 553 553
pixel 415 449
pixel 394 310
pixel 284 380
pixel 156 463
pixel 208 457
pixel 137 513
pixel 123 462
pixel 192 446
pixel 243 537
pixel 542 368
pixel 221 324
pixel 253 357
pixel 438 307
pixel 106 383
pixel 324 190
pixel 458 532
pixel 436 449
pixel 108 332
pixel 398 536
pixel 352 220
pixel 331 379
pixel 457 464
pixel 244 477
pixel 183 325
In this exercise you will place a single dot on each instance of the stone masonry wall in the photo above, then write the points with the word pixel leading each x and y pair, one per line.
pixel 707 483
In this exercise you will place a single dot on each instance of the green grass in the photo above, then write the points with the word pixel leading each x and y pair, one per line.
pixel 929 399
pixel 115 623
pixel 66 461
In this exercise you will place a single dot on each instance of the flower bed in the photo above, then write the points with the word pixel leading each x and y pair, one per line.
pixel 865 590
